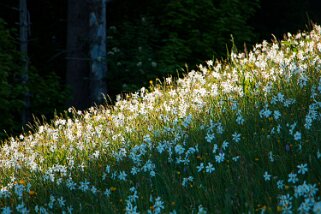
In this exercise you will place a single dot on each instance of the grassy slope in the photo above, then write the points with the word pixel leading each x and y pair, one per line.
pixel 236 136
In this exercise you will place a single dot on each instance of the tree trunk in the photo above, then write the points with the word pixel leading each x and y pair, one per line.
pixel 24 23
pixel 97 52
pixel 77 74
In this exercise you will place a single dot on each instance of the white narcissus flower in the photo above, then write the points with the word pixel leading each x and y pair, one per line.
pixel 297 136
pixel 317 208
pixel 267 176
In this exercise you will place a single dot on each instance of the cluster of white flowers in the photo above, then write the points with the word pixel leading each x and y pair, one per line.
pixel 305 193
pixel 122 143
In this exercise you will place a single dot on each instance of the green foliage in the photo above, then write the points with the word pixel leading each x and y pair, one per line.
pixel 131 56
pixel 10 92
pixel 158 43
pixel 199 29
pixel 46 93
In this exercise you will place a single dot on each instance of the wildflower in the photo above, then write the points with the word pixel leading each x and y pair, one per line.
pixel 201 210
pixel 292 127
pixel 28 187
pixel 236 137
pixel 239 119
pixel 107 192
pixel 159 205
pixel 84 186
pixel 297 136
pixel 61 201
pixel 41 209
pixel 130 208
pixel 219 128
pixel 265 113
pixel 134 171
pixel 271 158
pixel 187 121
pixel 192 150
pixel 276 114
pixel 234 106
pixel 200 167
pixel 278 98
pixel 227 87
pixel 107 170
pixel 303 168
pixel 179 149
pixel 122 176
pixel 6 210
pixel 318 154
pixel 149 166
pixel 168 80
pixel 317 208
pixel 215 148
pixel 280 184
pixel 278 128
pixel 219 158
pixel 210 62
pixel 267 176
pixel 285 202
pixel 71 185
pixel 225 144
pixel 210 168
pixel 4 193
pixel 21 208
pixel 147 138
pixel 51 201
pixel 152 173
pixel 305 206
pixel 186 180
pixel 18 189
pixel 308 120
pixel 133 189
pixel 293 178
pixel 303 80
pixel 70 209
pixel 161 147
pixel 301 190
pixel 93 189
pixel 209 137
pixel 120 154
pixel 236 158
pixel 134 196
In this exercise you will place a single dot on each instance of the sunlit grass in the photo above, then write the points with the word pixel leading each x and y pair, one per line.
pixel 237 136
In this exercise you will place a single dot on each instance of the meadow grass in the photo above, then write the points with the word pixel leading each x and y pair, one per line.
pixel 236 136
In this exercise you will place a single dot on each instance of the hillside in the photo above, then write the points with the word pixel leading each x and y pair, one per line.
pixel 242 135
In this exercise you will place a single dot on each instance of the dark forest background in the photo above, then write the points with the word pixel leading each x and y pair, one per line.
pixel 146 39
